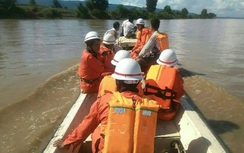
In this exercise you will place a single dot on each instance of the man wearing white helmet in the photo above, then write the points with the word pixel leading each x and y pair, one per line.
pixel 122 116
pixel 143 34
pixel 106 52
pixel 90 67
pixel 108 82
pixel 168 82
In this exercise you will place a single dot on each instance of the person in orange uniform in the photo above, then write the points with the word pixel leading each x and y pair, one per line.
pixel 91 68
pixel 108 82
pixel 106 52
pixel 165 84
pixel 143 34
pixel 113 106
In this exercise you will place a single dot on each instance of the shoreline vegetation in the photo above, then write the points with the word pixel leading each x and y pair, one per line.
pixel 92 9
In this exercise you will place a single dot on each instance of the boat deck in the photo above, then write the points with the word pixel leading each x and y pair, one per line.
pixel 187 129
pixel 166 133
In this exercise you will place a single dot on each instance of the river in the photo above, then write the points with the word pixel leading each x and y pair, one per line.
pixel 38 65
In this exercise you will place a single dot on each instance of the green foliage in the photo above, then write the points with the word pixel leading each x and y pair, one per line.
pixel 204 14
pixel 151 5
pixel 211 15
pixel 50 13
pixel 8 9
pixel 83 12
pixel 167 9
pixel 101 5
pixel 56 4
pixel 184 13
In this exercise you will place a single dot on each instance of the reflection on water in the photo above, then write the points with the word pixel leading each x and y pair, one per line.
pixel 33 50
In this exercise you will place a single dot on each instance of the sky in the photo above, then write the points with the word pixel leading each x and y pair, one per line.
pixel 222 8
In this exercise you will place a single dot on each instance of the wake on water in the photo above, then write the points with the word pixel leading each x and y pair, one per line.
pixel 27 126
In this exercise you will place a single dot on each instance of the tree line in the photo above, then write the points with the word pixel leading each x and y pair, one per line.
pixel 95 9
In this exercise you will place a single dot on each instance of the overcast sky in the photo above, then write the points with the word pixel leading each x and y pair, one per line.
pixel 222 8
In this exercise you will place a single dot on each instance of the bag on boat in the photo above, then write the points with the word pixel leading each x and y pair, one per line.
pixel 129 131
pixel 159 84
pixel 162 41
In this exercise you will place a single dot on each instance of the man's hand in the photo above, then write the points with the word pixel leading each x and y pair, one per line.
pixel 59 144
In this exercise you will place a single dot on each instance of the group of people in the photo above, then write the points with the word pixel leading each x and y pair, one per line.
pixel 134 90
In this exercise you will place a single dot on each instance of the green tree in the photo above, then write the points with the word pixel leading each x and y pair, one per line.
pixel 32 2
pixel 83 12
pixel 56 4
pixel 151 5
pixel 167 9
pixel 184 13
pixel 122 11
pixel 101 5
pixel 211 15
pixel 204 14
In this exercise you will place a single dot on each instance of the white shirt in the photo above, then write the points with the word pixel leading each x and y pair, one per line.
pixel 128 27
pixel 108 31
pixel 124 22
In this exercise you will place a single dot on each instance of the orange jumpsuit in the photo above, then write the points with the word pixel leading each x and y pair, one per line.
pixel 142 38
pixel 90 71
pixel 98 114
pixel 106 55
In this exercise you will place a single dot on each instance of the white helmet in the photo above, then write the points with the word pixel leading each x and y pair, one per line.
pixel 108 39
pixel 168 58
pixel 140 21
pixel 91 35
pixel 127 69
pixel 121 54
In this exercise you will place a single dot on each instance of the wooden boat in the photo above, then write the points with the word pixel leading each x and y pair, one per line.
pixel 187 132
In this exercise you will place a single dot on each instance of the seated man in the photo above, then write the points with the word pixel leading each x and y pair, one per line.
pixel 123 115
pixel 106 52
pixel 165 87
pixel 129 29
pixel 114 30
pixel 156 44
pixel 123 25
pixel 91 68
pixel 143 34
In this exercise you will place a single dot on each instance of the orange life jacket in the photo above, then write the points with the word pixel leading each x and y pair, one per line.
pixel 162 41
pixel 108 84
pixel 131 125
pixel 160 83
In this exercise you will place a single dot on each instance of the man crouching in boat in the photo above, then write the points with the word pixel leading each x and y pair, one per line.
pixel 155 45
pixel 165 85
pixel 128 121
